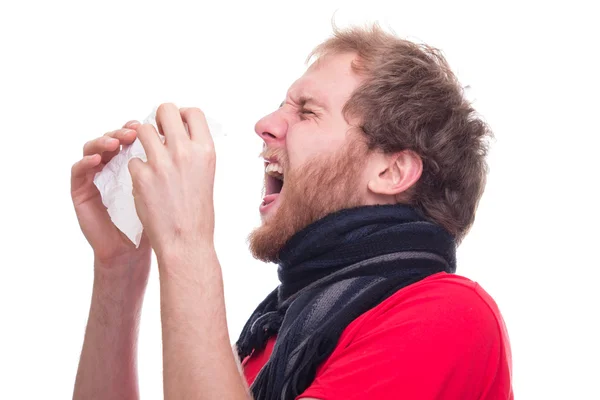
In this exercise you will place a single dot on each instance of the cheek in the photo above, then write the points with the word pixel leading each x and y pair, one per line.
pixel 310 144
pixel 301 147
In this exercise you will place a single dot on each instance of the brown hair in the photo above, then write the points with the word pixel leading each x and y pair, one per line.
pixel 411 100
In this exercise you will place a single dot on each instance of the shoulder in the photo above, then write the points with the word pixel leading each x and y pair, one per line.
pixel 445 301
pixel 442 337
pixel 447 320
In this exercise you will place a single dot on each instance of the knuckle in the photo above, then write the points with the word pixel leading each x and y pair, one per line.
pixel 88 145
pixel 207 152
pixel 183 155
pixel 208 148
pixel 146 128
pixel 211 158
pixel 204 149
pixel 161 171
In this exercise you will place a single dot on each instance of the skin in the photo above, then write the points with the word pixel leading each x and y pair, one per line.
pixel 174 199
pixel 326 162
pixel 107 367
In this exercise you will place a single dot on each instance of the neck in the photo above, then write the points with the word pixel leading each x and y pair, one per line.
pixel 354 235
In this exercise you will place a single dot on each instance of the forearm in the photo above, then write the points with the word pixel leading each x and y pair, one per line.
pixel 107 368
pixel 198 362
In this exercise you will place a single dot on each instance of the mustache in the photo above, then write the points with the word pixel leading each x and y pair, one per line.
pixel 277 153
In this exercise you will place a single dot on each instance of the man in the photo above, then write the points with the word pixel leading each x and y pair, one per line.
pixel 374 165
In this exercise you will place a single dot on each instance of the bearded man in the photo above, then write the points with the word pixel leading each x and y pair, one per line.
pixel 374 166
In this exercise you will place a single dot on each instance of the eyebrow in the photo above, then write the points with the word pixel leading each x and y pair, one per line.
pixel 304 100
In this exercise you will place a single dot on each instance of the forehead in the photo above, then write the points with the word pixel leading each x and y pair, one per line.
pixel 330 80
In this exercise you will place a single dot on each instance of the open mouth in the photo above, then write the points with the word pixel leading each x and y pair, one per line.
pixel 274 176
pixel 274 179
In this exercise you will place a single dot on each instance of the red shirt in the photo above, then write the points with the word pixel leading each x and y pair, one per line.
pixel 440 338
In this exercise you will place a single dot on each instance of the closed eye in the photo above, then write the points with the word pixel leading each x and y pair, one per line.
pixel 305 112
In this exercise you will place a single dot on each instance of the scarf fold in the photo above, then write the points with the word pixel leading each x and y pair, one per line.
pixel 330 273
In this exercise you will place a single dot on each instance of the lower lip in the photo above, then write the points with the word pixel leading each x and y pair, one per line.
pixel 268 203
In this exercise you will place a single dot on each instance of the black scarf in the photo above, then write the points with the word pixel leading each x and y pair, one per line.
pixel 332 272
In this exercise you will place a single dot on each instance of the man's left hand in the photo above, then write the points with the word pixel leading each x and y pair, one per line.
pixel 173 190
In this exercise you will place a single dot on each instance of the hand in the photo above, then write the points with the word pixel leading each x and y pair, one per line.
pixel 173 190
pixel 109 244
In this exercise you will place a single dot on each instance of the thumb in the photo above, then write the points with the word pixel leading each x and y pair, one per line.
pixel 135 166
pixel 137 169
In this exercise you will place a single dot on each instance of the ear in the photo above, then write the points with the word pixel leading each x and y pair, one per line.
pixel 396 173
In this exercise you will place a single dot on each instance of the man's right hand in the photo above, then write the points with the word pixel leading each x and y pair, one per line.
pixel 109 244
pixel 107 368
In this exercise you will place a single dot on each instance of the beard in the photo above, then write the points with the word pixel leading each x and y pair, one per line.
pixel 320 187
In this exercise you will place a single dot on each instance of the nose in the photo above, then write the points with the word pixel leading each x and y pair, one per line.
pixel 272 128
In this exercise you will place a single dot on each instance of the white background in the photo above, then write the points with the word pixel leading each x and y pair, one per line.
pixel 73 70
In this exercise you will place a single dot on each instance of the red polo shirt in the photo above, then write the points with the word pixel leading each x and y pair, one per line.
pixel 440 338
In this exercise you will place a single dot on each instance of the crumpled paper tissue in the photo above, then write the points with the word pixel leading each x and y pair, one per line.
pixel 115 185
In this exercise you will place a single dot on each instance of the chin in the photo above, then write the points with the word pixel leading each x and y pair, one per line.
pixel 318 189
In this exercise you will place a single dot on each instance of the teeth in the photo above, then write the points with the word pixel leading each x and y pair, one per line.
pixel 275 170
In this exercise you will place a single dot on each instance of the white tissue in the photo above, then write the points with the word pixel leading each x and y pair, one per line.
pixel 115 186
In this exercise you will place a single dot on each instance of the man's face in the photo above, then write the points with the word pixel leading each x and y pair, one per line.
pixel 313 158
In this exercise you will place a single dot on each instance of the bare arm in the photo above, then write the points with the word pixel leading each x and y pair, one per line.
pixel 197 358
pixel 107 368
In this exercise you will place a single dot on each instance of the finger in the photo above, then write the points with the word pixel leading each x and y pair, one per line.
pixel 109 142
pixel 150 141
pixel 135 165
pixel 197 125
pixel 131 124
pixel 168 120
pixel 109 145
pixel 137 170
pixel 100 145
pixel 82 167
pixel 125 135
